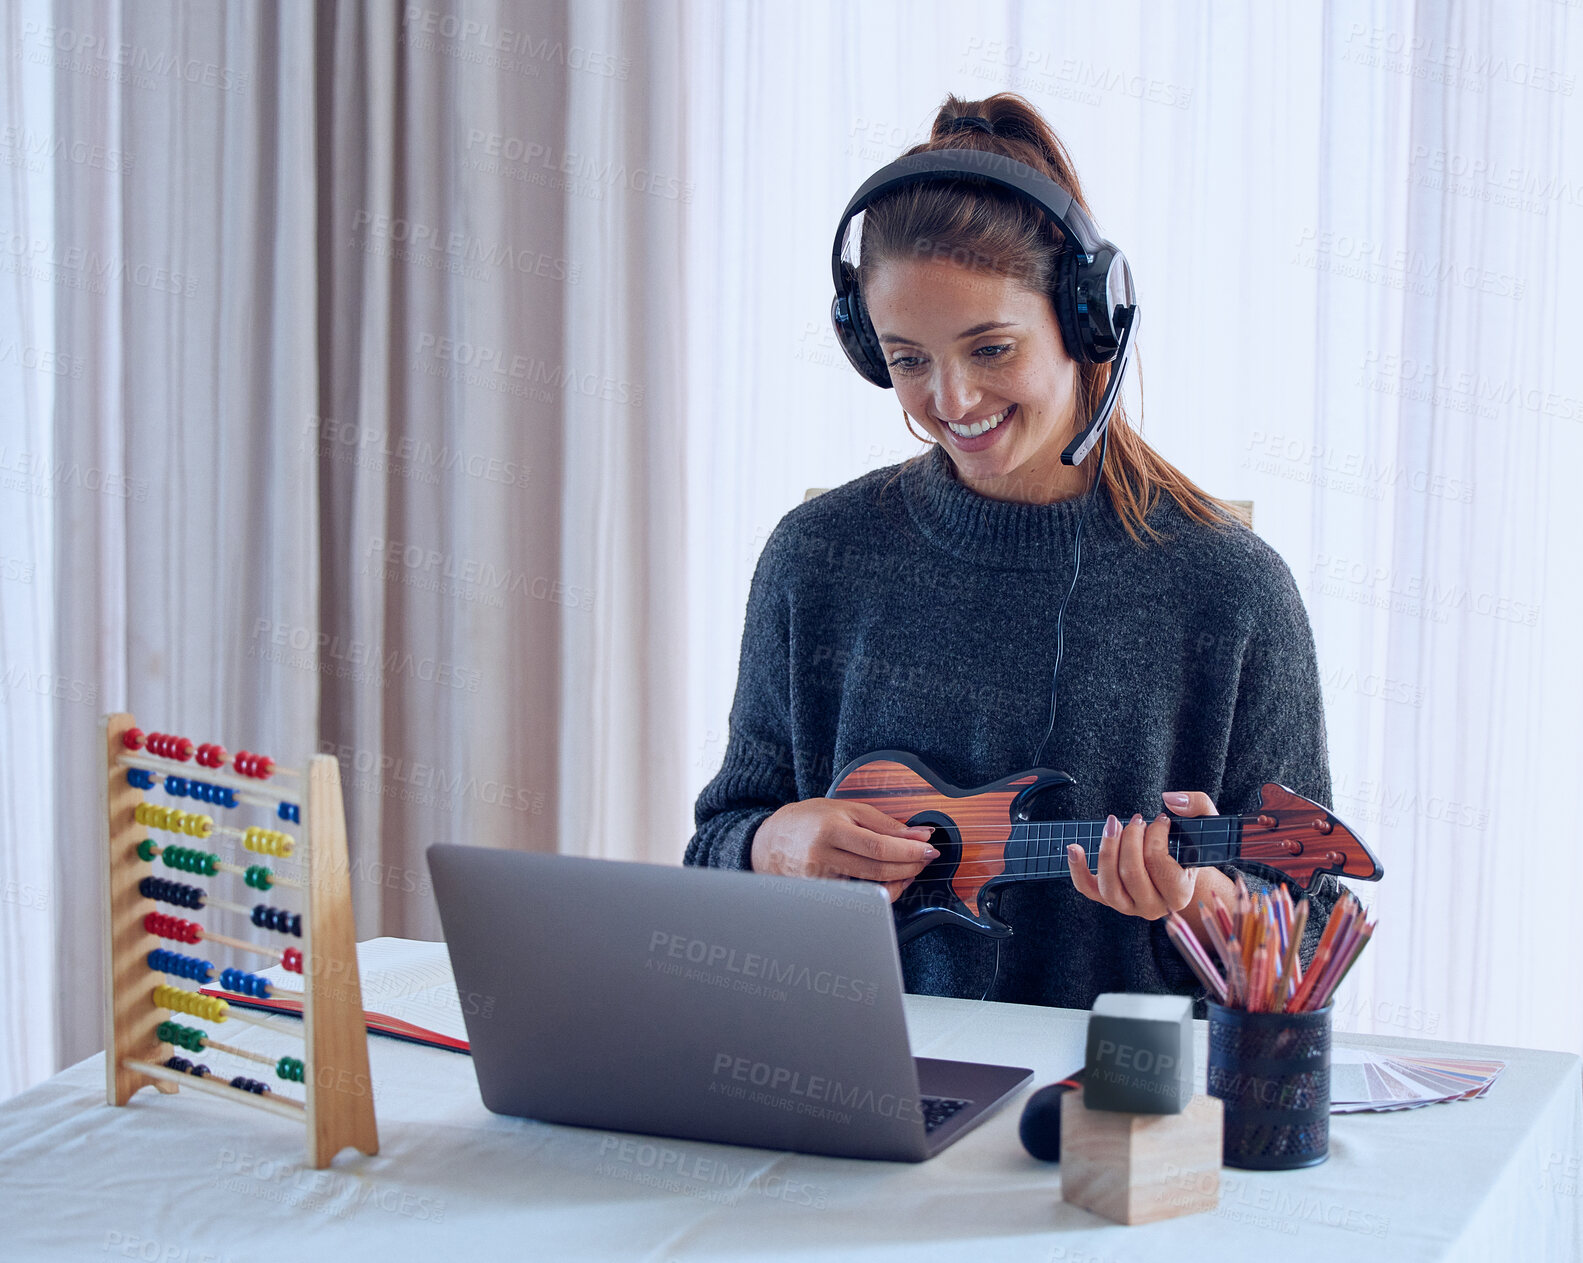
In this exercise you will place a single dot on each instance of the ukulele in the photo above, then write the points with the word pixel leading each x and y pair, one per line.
pixel 987 841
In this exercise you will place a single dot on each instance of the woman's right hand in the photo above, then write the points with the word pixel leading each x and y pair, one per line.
pixel 832 837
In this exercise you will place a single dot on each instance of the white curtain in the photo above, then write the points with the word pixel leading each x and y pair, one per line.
pixel 419 383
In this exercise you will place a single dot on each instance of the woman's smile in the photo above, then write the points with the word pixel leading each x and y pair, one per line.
pixel 976 435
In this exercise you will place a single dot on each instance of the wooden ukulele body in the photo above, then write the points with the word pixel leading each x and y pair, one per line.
pixel 988 840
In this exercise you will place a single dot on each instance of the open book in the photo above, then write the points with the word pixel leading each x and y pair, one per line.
pixel 408 992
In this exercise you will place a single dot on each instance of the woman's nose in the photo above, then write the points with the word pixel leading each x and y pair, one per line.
pixel 954 393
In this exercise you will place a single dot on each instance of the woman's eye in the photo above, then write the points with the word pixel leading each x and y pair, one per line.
pixel 909 363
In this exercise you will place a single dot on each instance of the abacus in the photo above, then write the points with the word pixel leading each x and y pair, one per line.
pixel 317 942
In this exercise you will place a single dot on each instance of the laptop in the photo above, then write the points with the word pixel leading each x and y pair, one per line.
pixel 698 1003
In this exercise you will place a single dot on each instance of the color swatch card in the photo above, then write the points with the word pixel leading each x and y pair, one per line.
pixel 1363 1080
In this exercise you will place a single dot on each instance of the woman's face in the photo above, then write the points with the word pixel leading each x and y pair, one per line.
pixel 977 361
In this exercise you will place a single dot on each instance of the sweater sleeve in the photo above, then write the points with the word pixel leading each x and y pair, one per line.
pixel 757 774
pixel 1278 733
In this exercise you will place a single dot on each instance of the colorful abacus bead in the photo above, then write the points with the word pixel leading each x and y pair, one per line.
pixel 249 1085
pixel 132 738
pixel 179 966
pixel 277 919
pixel 291 960
pixel 139 778
pixel 244 983
pixel 162 890
pixel 147 849
pixel 289 812
pixel 203 791
pixel 259 877
pixel 204 863
pixel 291 1069
pixel 211 754
pixel 187 1037
pixel 173 820
pixel 163 926
pixel 168 746
pixel 258 766
pixel 209 1008
pixel 268 841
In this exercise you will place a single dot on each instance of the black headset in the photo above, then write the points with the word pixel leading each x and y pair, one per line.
pixel 1091 292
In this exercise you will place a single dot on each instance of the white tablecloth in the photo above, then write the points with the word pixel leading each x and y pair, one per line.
pixel 188 1179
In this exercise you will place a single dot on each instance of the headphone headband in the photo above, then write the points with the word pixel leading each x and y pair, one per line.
pixel 992 168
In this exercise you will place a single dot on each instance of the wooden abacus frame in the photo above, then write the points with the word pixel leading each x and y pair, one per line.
pixel 339 1109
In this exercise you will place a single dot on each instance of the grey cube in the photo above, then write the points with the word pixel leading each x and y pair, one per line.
pixel 1140 1054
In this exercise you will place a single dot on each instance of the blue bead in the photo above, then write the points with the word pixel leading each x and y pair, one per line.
pixel 290 812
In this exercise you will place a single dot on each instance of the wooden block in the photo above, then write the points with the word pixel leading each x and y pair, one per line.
pixel 1137 1168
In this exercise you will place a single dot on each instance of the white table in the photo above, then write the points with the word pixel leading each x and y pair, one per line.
pixel 187 1179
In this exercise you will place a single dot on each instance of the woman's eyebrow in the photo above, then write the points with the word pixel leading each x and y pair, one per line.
pixel 966 333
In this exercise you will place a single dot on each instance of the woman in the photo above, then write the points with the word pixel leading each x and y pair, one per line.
pixel 914 609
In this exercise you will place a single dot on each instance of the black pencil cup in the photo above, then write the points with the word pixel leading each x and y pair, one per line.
pixel 1272 1070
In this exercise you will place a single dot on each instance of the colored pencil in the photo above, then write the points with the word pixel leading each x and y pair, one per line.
pixel 1258 943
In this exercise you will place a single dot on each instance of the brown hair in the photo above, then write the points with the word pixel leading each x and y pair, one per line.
pixel 993 230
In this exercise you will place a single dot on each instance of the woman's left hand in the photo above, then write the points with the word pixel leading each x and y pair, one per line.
pixel 1136 874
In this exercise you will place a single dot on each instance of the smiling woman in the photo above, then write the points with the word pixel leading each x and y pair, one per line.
pixel 932 607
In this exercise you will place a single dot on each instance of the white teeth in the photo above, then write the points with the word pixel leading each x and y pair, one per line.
pixel 978 427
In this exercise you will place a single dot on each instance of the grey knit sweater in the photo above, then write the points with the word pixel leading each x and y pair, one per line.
pixel 905 611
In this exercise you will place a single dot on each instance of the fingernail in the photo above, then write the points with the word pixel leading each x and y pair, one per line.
pixel 933 854
pixel 1175 800
pixel 1160 817
pixel 1112 827
pixel 1137 818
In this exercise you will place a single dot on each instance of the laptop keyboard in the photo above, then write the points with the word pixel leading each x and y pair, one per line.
pixel 936 1109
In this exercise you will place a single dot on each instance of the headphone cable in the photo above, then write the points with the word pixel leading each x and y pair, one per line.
pixel 1060 618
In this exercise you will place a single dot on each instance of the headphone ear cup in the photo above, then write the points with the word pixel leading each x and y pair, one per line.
pixel 1063 297
pixel 856 336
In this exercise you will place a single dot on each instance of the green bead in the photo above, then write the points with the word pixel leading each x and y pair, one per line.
pixel 211 865
pixel 290 1069
pixel 181 1036
pixel 146 850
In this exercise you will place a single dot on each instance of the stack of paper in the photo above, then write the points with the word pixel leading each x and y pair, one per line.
pixel 1363 1080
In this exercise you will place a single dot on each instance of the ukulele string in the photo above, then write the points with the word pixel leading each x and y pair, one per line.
pixel 995 866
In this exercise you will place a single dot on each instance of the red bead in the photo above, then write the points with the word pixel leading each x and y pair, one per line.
pixel 291 960
pixel 241 762
pixel 132 738
pixel 265 766
pixel 182 750
pixel 217 755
